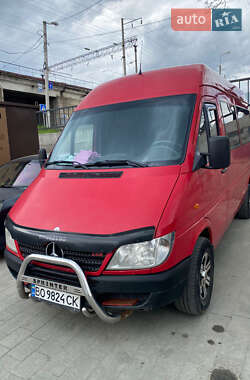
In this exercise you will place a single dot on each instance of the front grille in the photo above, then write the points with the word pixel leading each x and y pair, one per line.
pixel 53 275
pixel 88 261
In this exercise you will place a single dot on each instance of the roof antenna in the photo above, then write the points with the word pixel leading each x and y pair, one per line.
pixel 140 72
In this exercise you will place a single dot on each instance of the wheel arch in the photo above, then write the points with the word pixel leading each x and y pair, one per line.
pixel 207 233
pixel 203 230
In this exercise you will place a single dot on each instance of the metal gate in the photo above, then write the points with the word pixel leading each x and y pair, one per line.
pixel 58 117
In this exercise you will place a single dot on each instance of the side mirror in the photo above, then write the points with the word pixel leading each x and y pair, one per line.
pixel 42 157
pixel 200 161
pixel 219 152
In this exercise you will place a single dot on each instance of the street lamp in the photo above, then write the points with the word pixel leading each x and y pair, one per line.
pixel 222 55
pixel 46 65
pixel 52 23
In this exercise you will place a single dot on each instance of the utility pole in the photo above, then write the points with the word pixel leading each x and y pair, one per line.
pixel 123 48
pixel 123 44
pixel 46 67
pixel 46 71
pixel 136 67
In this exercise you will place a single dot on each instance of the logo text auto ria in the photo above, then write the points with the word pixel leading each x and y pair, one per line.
pixel 206 19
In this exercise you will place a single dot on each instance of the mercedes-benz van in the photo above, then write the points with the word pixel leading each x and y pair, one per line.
pixel 138 191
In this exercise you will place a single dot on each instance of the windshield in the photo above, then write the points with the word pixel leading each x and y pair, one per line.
pixel 152 131
pixel 19 173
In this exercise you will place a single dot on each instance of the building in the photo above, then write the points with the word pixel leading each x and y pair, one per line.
pixel 19 88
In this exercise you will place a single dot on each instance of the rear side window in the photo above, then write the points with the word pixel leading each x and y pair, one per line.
pixel 244 124
pixel 230 123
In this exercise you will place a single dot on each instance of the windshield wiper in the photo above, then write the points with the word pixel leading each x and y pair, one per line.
pixel 75 164
pixel 118 162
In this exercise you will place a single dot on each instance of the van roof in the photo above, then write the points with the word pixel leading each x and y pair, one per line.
pixel 157 83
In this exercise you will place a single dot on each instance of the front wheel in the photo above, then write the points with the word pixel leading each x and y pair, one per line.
pixel 197 293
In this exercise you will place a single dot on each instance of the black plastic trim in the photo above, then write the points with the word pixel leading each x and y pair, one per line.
pixel 141 283
pixel 94 175
pixel 77 241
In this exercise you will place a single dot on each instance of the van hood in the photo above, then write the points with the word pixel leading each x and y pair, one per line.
pixel 133 198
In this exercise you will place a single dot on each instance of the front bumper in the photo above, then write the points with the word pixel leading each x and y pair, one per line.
pixel 151 290
pixel 86 292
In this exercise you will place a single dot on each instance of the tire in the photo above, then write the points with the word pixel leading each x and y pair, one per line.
pixel 194 299
pixel 244 211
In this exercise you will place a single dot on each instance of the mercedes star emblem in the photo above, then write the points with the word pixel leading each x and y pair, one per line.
pixel 52 249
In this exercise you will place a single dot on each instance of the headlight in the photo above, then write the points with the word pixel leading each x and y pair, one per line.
pixel 142 255
pixel 10 243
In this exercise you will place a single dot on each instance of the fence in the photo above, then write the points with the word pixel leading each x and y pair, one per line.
pixel 243 84
pixel 54 118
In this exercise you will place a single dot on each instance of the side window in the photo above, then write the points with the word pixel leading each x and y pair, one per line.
pixel 244 124
pixel 202 137
pixel 230 123
pixel 212 120
pixel 208 126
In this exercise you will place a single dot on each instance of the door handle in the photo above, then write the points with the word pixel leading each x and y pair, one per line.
pixel 223 170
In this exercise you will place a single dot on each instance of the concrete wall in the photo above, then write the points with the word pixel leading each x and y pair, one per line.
pixel 48 140
pixel 1 94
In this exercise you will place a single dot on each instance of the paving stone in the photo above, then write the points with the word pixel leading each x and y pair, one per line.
pixel 25 348
pixel 7 364
pixel 14 338
pixel 3 350
pixel 32 364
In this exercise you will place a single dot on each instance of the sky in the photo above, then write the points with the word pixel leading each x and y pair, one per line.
pixel 93 24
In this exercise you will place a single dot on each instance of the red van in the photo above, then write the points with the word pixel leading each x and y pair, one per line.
pixel 125 215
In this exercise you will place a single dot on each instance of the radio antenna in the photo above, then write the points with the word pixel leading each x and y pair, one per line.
pixel 140 71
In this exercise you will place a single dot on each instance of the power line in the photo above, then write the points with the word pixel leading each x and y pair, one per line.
pixel 46 9
pixel 80 12
pixel 24 67
pixel 107 50
pixel 46 15
pixel 110 32
pixel 33 47
pixel 17 28
pixel 54 73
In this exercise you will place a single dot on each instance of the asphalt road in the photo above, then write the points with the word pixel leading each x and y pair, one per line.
pixel 41 342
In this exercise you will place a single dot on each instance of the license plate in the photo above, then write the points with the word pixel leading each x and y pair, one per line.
pixel 56 296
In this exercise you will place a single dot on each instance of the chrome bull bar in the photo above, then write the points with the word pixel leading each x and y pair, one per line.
pixel 86 291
